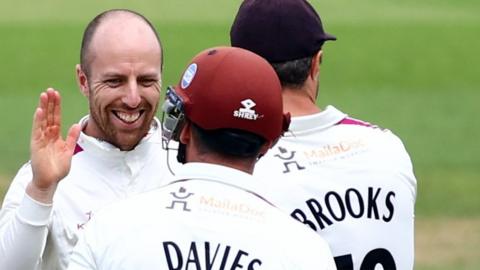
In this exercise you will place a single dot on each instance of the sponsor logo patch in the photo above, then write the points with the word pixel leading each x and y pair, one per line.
pixel 189 75
pixel 246 112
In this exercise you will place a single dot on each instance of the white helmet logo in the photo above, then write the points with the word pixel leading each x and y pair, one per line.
pixel 189 75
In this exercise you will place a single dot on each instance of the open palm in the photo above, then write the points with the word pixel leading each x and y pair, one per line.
pixel 51 156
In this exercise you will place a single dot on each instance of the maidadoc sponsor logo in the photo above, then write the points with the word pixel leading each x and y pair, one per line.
pixel 226 205
pixel 246 112
pixel 334 149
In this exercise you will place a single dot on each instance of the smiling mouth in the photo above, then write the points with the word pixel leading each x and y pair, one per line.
pixel 128 118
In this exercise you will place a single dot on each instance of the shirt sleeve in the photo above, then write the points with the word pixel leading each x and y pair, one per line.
pixel 404 164
pixel 23 225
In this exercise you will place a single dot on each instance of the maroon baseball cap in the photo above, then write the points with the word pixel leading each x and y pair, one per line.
pixel 232 88
pixel 278 30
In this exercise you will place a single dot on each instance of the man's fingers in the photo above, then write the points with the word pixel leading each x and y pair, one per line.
pixel 38 123
pixel 42 101
pixel 50 106
pixel 72 137
pixel 42 104
pixel 57 109
pixel 39 118
pixel 47 118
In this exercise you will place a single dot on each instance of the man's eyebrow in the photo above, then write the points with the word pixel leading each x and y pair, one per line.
pixel 118 74
pixel 113 74
pixel 149 75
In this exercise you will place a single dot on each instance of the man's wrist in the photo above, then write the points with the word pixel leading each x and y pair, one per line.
pixel 41 195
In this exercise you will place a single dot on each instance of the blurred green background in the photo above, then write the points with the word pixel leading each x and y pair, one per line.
pixel 410 66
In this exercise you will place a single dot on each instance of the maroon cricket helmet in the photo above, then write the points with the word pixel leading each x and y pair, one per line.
pixel 232 88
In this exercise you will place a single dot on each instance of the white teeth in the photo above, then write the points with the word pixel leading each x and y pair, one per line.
pixel 128 117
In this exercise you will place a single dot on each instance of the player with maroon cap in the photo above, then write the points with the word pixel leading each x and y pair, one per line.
pixel 348 180
pixel 244 130
pixel 226 112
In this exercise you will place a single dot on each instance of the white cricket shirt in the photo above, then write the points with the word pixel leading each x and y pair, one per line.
pixel 38 236
pixel 208 218
pixel 349 181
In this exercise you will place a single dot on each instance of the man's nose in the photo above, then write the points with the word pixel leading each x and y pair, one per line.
pixel 132 97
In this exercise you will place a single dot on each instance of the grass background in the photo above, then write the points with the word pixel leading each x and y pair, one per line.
pixel 411 66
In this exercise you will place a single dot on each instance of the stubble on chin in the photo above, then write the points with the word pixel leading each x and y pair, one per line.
pixel 128 140
pixel 125 140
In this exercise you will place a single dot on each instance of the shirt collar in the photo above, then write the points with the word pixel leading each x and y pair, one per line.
pixel 322 120
pixel 87 142
pixel 219 173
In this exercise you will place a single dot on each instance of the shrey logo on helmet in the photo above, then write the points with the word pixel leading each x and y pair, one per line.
pixel 246 112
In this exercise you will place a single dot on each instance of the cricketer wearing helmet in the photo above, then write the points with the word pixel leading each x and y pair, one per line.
pixel 226 112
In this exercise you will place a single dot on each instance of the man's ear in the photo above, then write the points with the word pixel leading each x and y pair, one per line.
pixel 185 133
pixel 315 66
pixel 82 80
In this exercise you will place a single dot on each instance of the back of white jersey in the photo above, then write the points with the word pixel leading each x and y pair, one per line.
pixel 199 224
pixel 351 183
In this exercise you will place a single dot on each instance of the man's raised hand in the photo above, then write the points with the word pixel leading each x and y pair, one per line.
pixel 50 155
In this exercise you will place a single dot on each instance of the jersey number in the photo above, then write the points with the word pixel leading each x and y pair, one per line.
pixel 377 256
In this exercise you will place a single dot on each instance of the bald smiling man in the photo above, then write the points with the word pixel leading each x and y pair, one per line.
pixel 116 148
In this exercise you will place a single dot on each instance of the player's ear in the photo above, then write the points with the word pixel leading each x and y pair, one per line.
pixel 186 133
pixel 315 65
pixel 82 80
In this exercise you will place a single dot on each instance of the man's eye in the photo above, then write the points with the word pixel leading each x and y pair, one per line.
pixel 113 82
pixel 148 82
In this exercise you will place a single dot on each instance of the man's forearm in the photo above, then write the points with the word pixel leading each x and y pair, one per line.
pixel 23 235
